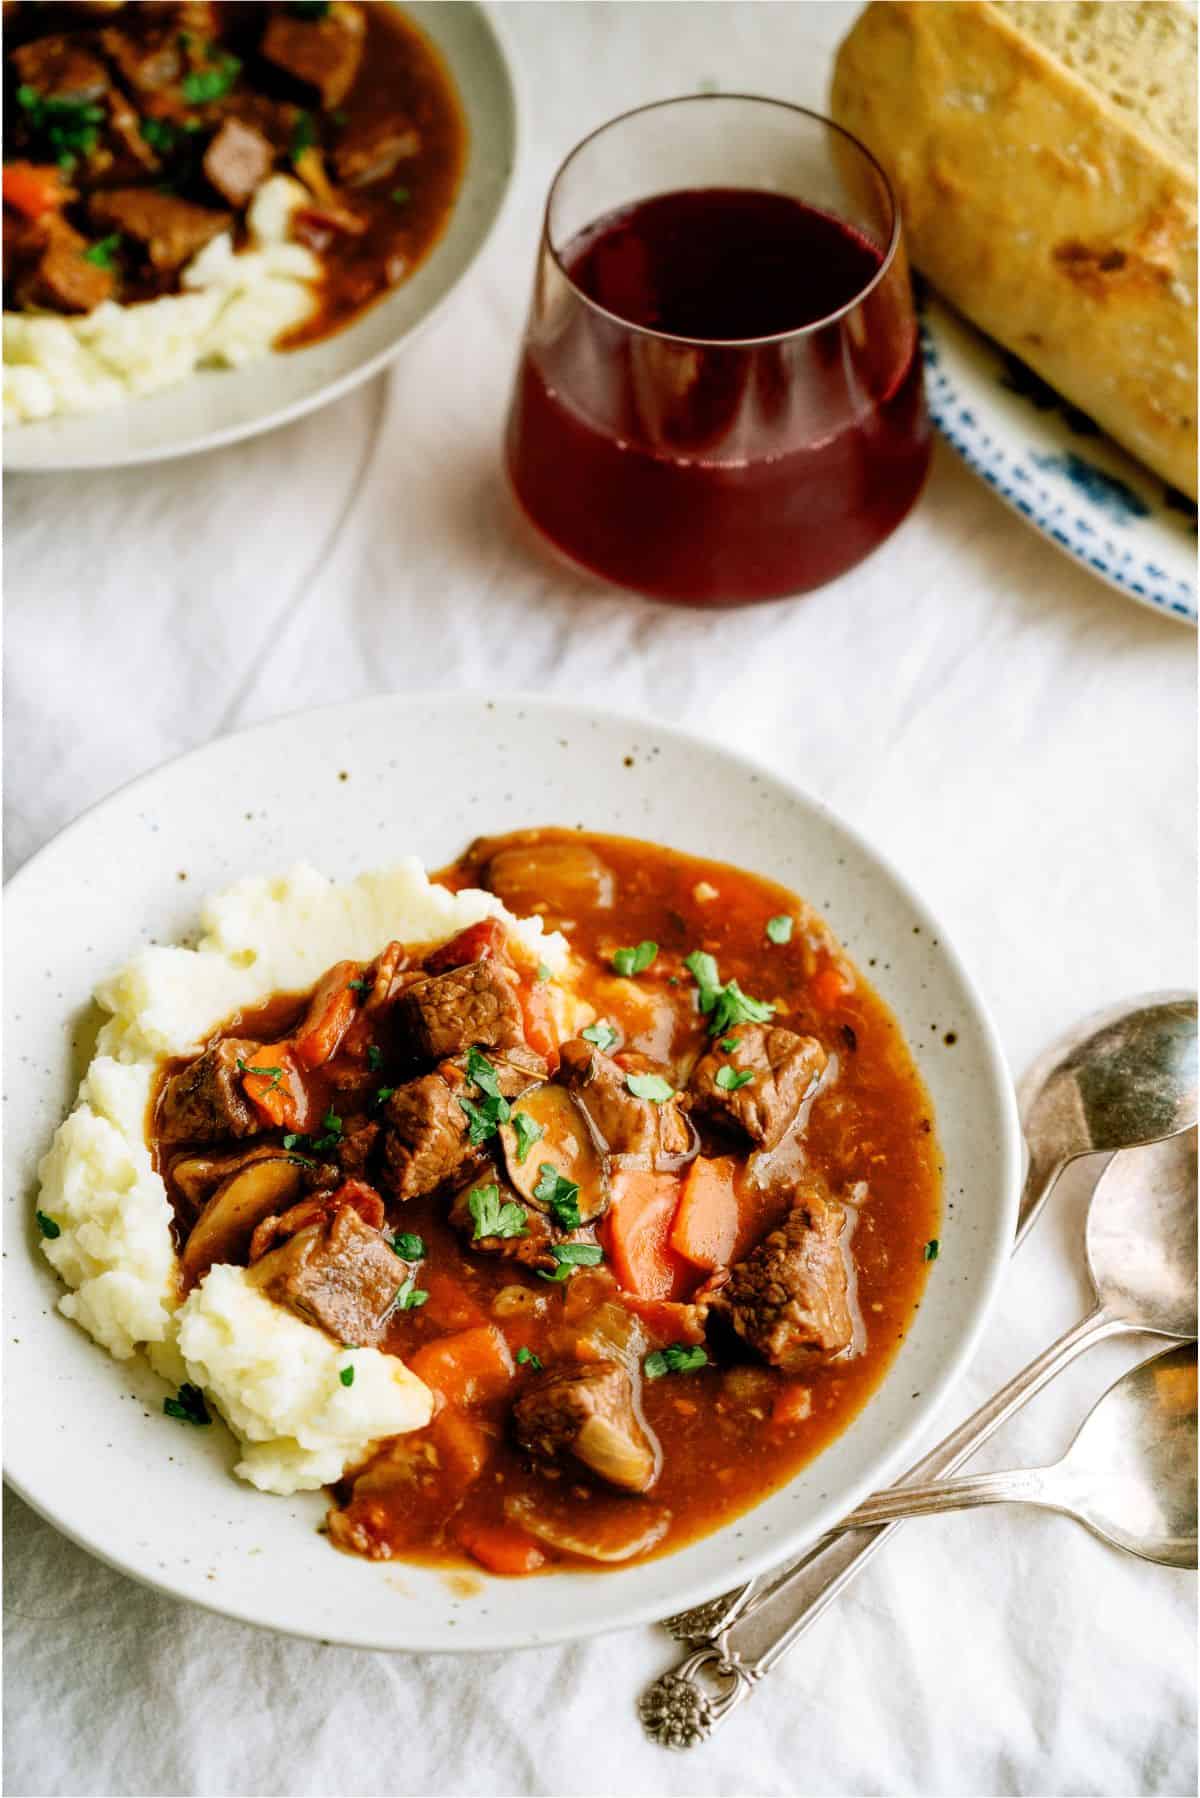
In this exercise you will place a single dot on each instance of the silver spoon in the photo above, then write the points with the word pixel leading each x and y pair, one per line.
pixel 1129 1476
pixel 1141 1254
pixel 1121 1077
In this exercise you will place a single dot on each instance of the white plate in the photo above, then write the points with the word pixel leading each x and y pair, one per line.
pixel 217 406
pixel 86 1442
pixel 1057 469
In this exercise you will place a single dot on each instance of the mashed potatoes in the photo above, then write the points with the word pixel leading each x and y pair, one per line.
pixel 232 310
pixel 274 1378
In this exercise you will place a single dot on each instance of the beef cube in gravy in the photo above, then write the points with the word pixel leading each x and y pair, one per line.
pixel 622 1123
pixel 237 161
pixel 60 68
pixel 784 1069
pixel 449 1012
pixel 322 53
pixel 426 1140
pixel 342 1275
pixel 59 276
pixel 206 1101
pixel 590 1411
pixel 788 1299
pixel 147 62
pixel 170 230
pixel 370 148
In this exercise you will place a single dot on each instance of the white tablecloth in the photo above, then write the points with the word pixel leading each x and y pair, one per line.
pixel 1015 735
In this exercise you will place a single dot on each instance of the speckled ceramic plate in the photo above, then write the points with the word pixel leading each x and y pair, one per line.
pixel 221 405
pixel 86 1442
pixel 1056 468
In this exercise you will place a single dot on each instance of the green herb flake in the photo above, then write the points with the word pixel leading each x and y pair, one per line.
pixel 203 85
pixel 189 1407
pixel 409 1297
pixel 493 1218
pixel 779 929
pixel 346 1376
pixel 48 1227
pixel 159 134
pixel 726 1005
pixel 374 1058
pixel 543 972
pixel 676 1359
pixel 527 1131
pixel 570 1255
pixel 274 1075
pixel 400 196
pixel 628 962
pixel 600 1033
pixel 560 1194
pixel 382 1095
pixel 650 1086
pixel 728 1044
pixel 304 136
pixel 482 1074
pixel 408 1246
pixel 729 1079
pixel 527 1358
pixel 340 116
pixel 301 1161
pixel 932 1249
pixel 102 253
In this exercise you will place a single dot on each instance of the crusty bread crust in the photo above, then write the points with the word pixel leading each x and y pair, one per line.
pixel 1038 208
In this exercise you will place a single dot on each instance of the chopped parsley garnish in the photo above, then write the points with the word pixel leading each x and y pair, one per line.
pixel 491 1217
pixel 527 1358
pixel 632 961
pixel 723 1005
pixel 203 85
pixel 482 1074
pixel 159 134
pixel 409 1297
pixel 527 1131
pixel 346 1376
pixel 189 1407
pixel 729 1079
pixel 47 1226
pixel 102 253
pixel 779 929
pixel 543 972
pixel 570 1255
pixel 408 1246
pixel 676 1359
pixel 302 1161
pixel 304 136
pixel 274 1075
pixel 374 1057
pixel 600 1033
pixel 400 196
pixel 357 986
pixel 932 1248
pixel 68 126
pixel 331 1126
pixel 382 1095
pixel 728 1044
pixel 650 1086
pixel 560 1194
pixel 486 1116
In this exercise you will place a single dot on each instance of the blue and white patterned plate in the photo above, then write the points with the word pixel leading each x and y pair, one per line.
pixel 1056 468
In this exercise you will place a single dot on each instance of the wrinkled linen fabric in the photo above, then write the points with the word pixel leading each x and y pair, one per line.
pixel 1015 736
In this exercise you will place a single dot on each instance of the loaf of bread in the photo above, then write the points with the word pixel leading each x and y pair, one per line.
pixel 1044 156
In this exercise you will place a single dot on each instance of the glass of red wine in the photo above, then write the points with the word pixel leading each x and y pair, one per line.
pixel 719 397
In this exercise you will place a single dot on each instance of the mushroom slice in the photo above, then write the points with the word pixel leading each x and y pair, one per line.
pixel 565 1144
pixel 557 875
pixel 225 1226
pixel 198 1176
pixel 598 1529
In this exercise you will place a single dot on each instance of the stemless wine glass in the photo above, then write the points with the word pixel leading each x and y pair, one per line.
pixel 719 397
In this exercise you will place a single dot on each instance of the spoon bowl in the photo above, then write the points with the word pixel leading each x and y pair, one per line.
pixel 1141 1237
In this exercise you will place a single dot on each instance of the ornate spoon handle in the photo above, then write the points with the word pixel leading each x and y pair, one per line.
pixel 678 1711
pixel 707 1622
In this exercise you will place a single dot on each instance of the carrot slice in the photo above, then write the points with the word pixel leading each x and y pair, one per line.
pixel 501 1548
pixel 330 1014
pixel 467 1367
pixel 279 1096
pixel 828 987
pixel 463 1449
pixel 33 189
pixel 537 1015
pixel 488 937
pixel 637 1234
pixel 706 1223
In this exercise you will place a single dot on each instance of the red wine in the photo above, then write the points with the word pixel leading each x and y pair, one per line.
pixel 715 469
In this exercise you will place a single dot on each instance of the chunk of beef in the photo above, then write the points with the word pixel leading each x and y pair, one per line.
pixel 322 53
pixel 622 1123
pixel 369 148
pixel 58 275
pixel 354 1150
pixel 591 1412
pixel 170 229
pixel 149 62
pixel 126 154
pixel 317 1208
pixel 237 161
pixel 426 1131
pixel 530 1250
pixel 447 1013
pixel 206 1100
pixel 340 1274
pixel 788 1298
pixel 60 68
pixel 784 1069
